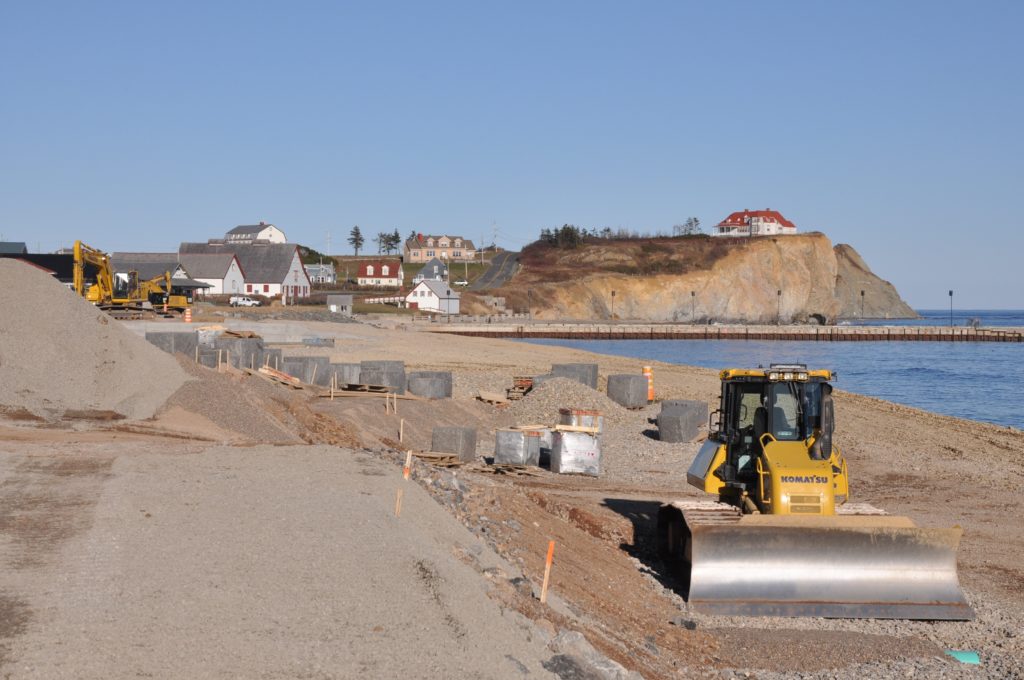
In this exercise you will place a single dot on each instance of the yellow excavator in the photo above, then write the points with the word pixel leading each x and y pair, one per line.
pixel 782 538
pixel 120 290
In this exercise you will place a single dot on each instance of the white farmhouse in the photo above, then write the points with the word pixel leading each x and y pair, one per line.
pixel 270 269
pixel 755 223
pixel 433 296
pixel 250 233
pixel 221 271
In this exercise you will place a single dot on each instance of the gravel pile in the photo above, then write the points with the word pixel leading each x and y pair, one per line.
pixel 59 352
pixel 541 404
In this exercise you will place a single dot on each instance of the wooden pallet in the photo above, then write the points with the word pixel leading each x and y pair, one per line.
pixel 511 470
pixel 492 398
pixel 358 387
pixel 438 458
pixel 275 376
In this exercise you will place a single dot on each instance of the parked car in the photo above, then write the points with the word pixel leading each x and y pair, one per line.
pixel 244 301
pixel 461 282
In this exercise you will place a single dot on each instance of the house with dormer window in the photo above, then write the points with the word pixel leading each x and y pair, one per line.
pixel 381 274
pixel 425 247
pixel 766 222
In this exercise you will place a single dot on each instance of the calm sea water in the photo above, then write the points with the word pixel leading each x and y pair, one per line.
pixel 961 317
pixel 981 381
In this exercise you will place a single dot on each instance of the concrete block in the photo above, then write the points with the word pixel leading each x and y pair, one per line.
pixel 517 447
pixel 311 370
pixel 270 358
pixel 681 420
pixel 390 373
pixel 430 384
pixel 576 453
pixel 458 440
pixel 294 366
pixel 583 373
pixel 241 352
pixel 347 374
pixel 208 358
pixel 173 342
pixel 628 390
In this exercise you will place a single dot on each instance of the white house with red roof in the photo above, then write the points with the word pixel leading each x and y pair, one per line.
pixel 381 273
pixel 766 222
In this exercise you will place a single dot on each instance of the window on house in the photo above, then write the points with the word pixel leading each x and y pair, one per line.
pixel 457 253
pixel 458 243
pixel 384 270
pixel 266 287
pixel 430 253
pixel 369 270
pixel 248 288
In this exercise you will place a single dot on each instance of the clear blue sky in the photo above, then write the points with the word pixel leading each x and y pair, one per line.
pixel 893 126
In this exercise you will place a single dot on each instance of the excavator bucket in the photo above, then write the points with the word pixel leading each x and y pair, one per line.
pixel 834 567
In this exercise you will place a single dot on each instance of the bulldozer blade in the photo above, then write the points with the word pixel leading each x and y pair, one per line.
pixel 833 567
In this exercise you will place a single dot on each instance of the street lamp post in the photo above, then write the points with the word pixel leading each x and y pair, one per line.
pixel 693 306
pixel 862 304
pixel 529 303
pixel 613 305
pixel 778 312
pixel 950 309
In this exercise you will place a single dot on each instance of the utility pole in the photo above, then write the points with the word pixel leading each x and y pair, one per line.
pixel 778 313
pixel 950 309
pixel 693 306
pixel 613 305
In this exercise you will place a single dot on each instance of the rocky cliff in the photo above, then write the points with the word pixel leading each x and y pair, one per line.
pixel 799 278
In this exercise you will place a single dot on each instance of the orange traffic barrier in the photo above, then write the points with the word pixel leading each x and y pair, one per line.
pixel 649 374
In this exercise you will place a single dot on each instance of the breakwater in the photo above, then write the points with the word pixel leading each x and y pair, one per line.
pixel 627 331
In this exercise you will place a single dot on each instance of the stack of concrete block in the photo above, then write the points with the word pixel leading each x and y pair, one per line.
pixel 517 447
pixel 458 440
pixel 628 390
pixel 582 373
pixel 346 374
pixel 175 343
pixel 389 373
pixel 576 453
pixel 680 420
pixel 430 384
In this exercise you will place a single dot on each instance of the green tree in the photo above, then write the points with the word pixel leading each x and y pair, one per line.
pixel 355 239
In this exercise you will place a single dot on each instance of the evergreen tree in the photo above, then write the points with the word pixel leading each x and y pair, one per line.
pixel 355 239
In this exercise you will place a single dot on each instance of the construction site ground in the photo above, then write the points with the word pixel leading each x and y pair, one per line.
pixel 249 530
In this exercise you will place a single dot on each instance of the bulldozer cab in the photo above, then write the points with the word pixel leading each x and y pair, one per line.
pixel 785 402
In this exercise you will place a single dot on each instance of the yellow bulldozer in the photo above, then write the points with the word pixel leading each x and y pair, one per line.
pixel 782 539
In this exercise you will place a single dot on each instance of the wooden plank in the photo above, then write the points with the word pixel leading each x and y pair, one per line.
pixel 491 397
pixel 578 428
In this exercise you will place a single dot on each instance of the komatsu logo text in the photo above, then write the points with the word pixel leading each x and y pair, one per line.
pixel 805 479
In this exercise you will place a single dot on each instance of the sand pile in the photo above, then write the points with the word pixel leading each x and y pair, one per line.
pixel 60 353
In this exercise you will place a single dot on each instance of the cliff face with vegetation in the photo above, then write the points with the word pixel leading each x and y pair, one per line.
pixel 800 278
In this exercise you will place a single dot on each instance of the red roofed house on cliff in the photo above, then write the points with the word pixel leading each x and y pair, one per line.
pixel 755 223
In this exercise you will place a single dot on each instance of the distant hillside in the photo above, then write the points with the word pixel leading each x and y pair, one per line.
pixel 731 280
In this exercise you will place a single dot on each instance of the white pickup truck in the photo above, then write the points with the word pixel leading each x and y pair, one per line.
pixel 243 301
